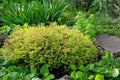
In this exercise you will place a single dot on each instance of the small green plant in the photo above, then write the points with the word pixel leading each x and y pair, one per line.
pixel 24 73
pixel 86 24
pixel 106 69
pixel 44 71
pixel 32 12
pixel 7 30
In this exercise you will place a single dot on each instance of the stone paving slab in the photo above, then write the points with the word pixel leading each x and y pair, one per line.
pixel 109 42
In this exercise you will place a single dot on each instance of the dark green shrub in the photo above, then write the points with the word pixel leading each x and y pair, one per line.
pixel 83 5
pixel 106 7
pixel 55 45
pixel 107 12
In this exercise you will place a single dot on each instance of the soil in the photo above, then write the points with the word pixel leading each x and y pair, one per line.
pixel 2 39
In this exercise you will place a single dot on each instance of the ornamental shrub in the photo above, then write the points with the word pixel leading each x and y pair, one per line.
pixel 54 45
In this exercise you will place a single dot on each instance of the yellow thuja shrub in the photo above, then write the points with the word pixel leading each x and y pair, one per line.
pixel 54 45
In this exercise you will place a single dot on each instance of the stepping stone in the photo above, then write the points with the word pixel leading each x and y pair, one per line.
pixel 110 43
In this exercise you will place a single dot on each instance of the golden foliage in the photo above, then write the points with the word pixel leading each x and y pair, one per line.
pixel 54 45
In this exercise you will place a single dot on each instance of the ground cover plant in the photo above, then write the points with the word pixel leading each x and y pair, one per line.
pixel 106 69
pixel 25 73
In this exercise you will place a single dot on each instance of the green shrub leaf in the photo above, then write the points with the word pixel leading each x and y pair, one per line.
pixel 91 77
pixel 73 67
pixel 44 70
pixel 73 75
pixel 99 77
pixel 50 77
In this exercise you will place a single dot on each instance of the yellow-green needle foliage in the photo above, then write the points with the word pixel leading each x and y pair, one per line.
pixel 53 45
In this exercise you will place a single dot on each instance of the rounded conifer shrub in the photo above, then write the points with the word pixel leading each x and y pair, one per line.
pixel 53 45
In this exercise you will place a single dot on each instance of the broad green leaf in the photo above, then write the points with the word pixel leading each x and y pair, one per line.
pixel 44 69
pixel 102 70
pixel 73 67
pixel 99 77
pixel 80 74
pixel 49 77
pixel 25 25
pixel 91 77
pixel 73 75
pixel 82 68
pixel 90 66
pixel 109 56
pixel 46 74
